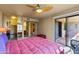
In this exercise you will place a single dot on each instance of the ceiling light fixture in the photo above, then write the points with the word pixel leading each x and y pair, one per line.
pixel 13 17
pixel 39 10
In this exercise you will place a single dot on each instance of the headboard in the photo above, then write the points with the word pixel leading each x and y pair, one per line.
pixel 2 29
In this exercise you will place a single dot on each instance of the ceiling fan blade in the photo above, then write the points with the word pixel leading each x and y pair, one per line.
pixel 32 6
pixel 46 9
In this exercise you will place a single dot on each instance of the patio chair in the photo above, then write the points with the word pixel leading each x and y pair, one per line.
pixel 75 46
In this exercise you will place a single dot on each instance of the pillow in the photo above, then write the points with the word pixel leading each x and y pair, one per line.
pixel 5 38
pixel 3 42
pixel 2 46
pixel 42 35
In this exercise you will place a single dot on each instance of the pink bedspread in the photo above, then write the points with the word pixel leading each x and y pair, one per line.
pixel 34 45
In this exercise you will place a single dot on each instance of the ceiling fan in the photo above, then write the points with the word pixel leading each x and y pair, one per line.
pixel 37 8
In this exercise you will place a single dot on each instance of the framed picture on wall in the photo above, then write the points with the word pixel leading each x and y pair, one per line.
pixel 19 28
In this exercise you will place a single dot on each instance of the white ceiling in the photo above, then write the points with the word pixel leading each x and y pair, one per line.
pixel 23 10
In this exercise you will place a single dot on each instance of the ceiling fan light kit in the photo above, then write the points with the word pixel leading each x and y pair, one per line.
pixel 39 10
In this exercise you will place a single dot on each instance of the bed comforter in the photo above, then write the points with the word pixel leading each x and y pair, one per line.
pixel 34 45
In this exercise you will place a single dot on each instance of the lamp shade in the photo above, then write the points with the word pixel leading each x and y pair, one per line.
pixel 3 29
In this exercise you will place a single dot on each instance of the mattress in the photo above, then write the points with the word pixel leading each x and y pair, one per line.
pixel 34 45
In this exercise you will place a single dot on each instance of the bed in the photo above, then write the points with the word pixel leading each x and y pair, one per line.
pixel 33 45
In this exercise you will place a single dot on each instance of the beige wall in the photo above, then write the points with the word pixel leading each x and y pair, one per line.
pixel 0 19
pixel 47 26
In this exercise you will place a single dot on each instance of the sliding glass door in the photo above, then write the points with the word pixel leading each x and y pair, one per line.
pixel 66 29
pixel 72 27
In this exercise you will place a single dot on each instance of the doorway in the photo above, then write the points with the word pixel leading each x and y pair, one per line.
pixel 60 31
